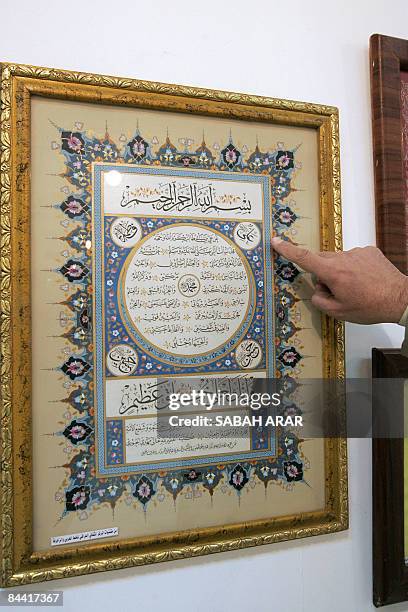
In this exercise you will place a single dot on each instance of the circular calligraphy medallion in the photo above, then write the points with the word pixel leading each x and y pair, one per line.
pixel 122 360
pixel 248 354
pixel 187 294
pixel 247 235
pixel 126 232
pixel 189 285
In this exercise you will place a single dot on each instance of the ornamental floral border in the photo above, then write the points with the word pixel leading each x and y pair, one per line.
pixel 82 491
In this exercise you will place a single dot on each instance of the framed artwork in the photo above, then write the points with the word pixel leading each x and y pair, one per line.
pixel 389 97
pixel 390 487
pixel 135 227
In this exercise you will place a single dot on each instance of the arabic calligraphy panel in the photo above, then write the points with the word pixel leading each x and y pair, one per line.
pixel 161 269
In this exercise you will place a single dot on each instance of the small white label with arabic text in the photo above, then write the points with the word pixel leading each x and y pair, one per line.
pixel 75 538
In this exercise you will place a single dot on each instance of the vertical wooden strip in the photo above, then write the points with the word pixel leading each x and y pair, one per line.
pixel 387 57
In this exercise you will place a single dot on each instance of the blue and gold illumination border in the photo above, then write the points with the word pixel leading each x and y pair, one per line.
pixel 258 323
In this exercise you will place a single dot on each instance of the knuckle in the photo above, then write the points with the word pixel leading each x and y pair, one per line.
pixel 340 274
pixel 302 255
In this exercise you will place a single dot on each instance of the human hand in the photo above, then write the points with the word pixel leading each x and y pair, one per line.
pixel 360 286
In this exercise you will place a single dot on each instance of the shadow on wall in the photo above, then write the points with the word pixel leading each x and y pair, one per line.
pixel 360 339
pixel 135 573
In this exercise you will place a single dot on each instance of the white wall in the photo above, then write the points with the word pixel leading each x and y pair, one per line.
pixel 314 50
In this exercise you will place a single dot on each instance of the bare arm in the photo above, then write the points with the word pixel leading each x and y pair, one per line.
pixel 360 286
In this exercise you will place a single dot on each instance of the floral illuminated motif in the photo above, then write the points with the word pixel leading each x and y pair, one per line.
pixel 80 400
pixel 204 157
pixel 281 187
pixel 211 478
pixel 285 301
pixel 167 153
pixel 77 301
pixel 238 477
pixel 287 330
pixel 192 475
pixel 173 483
pixel 258 161
pixel 293 471
pixel 138 149
pixel 186 160
pixel 77 335
pixel 78 238
pixel 77 498
pixel 230 156
pixel 74 271
pixel 102 150
pixel 144 490
pixel 285 216
pixel 80 331
pixel 287 271
pixel 78 173
pixel 284 160
pixel 74 207
pixel 110 491
pixel 77 431
pixel 73 143
pixel 289 357
pixel 114 442
pixel 266 472
pixel 291 443
pixel 75 367
pixel 290 410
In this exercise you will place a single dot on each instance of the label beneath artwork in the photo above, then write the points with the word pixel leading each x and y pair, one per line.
pixel 85 536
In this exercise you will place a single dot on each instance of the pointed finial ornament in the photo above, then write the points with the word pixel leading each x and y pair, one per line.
pixel 57 127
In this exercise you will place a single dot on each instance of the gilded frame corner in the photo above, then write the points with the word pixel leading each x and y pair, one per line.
pixel 19 565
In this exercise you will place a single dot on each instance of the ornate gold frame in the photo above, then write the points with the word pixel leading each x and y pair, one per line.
pixel 19 564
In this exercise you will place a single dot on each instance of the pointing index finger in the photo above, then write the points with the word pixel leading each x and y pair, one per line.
pixel 307 260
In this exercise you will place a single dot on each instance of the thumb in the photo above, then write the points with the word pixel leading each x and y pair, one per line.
pixel 309 261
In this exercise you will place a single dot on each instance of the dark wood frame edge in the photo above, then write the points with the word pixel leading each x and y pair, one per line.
pixel 388 57
pixel 390 575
